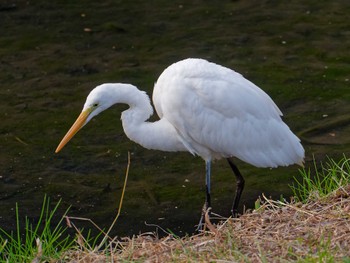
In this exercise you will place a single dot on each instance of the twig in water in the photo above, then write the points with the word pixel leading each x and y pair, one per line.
pixel 159 227
pixel 120 206
pixel 106 234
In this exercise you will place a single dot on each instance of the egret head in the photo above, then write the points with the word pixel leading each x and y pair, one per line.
pixel 97 101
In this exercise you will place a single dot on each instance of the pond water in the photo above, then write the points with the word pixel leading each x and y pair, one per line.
pixel 52 53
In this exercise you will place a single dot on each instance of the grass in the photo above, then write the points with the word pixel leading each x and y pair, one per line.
pixel 321 182
pixel 313 227
pixel 40 241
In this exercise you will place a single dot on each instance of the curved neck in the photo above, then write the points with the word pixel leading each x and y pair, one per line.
pixel 159 135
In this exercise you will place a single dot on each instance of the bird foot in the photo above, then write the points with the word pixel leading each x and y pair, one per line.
pixel 234 213
pixel 206 211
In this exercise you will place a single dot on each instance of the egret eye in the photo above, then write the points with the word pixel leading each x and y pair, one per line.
pixel 95 105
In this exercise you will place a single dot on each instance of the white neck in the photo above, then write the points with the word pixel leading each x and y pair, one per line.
pixel 159 135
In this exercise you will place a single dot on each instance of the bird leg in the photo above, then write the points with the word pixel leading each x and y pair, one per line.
pixel 207 184
pixel 239 187
pixel 207 203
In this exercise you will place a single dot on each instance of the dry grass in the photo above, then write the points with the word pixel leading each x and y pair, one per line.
pixel 317 231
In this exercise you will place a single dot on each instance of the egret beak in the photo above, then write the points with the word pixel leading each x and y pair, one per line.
pixel 78 124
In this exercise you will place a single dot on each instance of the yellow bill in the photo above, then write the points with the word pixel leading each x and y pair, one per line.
pixel 78 124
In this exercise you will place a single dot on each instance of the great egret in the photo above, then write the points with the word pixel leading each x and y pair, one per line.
pixel 205 109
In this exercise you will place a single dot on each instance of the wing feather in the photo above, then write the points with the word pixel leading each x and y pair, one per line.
pixel 218 113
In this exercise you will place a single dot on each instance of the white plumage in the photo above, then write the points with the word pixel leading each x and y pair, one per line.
pixel 206 109
pixel 218 113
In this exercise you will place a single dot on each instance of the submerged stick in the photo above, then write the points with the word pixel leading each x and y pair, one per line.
pixel 120 206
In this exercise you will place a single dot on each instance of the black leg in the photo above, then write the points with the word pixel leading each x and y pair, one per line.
pixel 207 199
pixel 239 187
pixel 207 203
pixel 205 208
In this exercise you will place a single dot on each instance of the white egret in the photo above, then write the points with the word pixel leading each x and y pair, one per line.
pixel 205 109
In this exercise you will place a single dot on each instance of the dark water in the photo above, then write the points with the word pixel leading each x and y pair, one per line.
pixel 52 53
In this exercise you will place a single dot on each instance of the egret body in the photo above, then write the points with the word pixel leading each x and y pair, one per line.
pixel 205 109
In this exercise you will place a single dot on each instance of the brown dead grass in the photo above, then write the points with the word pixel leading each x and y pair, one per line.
pixel 317 231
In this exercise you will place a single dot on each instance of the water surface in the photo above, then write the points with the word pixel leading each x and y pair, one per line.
pixel 52 53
